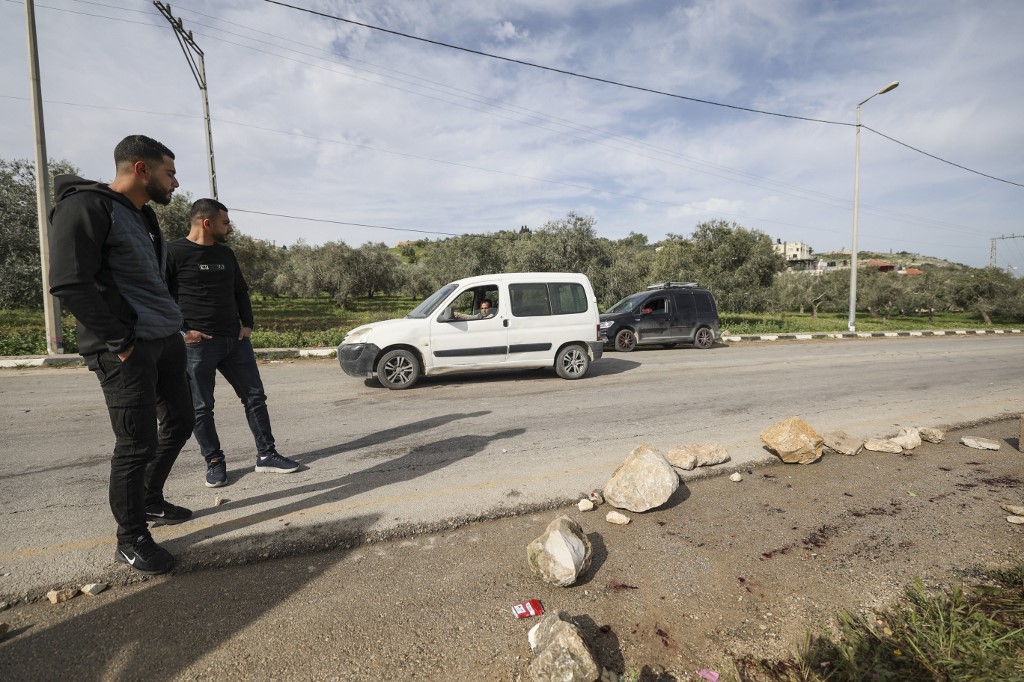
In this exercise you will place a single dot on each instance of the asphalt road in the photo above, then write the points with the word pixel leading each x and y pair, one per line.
pixel 385 464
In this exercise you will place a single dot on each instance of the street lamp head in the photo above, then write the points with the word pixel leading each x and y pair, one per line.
pixel 889 87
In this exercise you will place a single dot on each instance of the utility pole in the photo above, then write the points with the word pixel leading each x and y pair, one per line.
pixel 992 249
pixel 194 55
pixel 51 306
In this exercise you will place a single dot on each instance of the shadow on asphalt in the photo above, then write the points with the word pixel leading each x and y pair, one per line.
pixel 419 461
pixel 385 436
pixel 164 627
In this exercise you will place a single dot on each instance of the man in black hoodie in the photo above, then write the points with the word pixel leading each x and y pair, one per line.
pixel 106 266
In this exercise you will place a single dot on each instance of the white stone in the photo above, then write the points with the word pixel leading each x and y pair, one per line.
pixel 736 478
pixel 908 439
pixel 596 497
pixel 563 655
pixel 842 442
pixel 1015 519
pixel 561 554
pixel 1014 509
pixel 979 443
pixel 92 589
pixel 793 440
pixel 882 445
pixel 617 518
pixel 932 434
pixel 58 596
pixel 688 457
pixel 643 481
pixel 585 505
pixel 218 501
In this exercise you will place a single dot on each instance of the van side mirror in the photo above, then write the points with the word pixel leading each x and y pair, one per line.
pixel 447 315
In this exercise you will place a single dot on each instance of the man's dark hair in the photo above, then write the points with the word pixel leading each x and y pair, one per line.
pixel 205 208
pixel 140 148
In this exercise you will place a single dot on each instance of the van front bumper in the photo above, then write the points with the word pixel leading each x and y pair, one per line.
pixel 357 358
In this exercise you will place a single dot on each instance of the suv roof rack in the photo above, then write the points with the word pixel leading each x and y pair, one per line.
pixel 672 285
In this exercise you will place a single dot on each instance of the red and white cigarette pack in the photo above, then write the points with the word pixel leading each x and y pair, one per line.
pixel 526 609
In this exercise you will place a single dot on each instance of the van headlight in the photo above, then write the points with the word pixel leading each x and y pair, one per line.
pixel 607 323
pixel 358 335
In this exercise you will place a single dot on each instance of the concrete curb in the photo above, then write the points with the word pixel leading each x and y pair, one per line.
pixel 71 360
pixel 866 335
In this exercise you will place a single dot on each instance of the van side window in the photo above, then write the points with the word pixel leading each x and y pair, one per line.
pixel 568 298
pixel 704 303
pixel 529 300
pixel 559 298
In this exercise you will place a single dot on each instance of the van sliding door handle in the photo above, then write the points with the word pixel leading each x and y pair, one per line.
pixel 504 323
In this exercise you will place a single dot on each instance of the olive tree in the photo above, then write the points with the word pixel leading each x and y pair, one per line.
pixel 21 284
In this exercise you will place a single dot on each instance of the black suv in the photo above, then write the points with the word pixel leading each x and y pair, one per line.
pixel 665 314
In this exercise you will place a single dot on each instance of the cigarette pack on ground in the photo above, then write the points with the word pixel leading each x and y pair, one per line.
pixel 528 608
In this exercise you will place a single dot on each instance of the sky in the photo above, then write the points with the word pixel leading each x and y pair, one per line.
pixel 346 133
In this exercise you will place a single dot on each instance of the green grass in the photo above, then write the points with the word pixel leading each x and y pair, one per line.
pixel 973 634
pixel 795 323
pixel 311 322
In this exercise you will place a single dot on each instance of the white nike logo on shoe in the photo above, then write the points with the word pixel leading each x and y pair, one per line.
pixel 160 513
pixel 130 560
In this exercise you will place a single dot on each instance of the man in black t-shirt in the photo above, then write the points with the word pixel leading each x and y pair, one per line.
pixel 204 278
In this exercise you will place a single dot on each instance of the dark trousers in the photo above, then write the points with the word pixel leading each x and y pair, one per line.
pixel 236 361
pixel 150 410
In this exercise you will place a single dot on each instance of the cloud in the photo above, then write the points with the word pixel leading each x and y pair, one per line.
pixel 319 118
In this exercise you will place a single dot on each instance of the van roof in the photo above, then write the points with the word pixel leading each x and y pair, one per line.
pixel 505 277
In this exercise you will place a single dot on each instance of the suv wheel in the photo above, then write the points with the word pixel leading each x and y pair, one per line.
pixel 572 362
pixel 625 341
pixel 704 338
pixel 398 369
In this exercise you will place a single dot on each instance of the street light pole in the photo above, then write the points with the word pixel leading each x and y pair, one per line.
pixel 852 323
pixel 197 64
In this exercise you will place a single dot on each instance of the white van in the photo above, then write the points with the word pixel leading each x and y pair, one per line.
pixel 536 319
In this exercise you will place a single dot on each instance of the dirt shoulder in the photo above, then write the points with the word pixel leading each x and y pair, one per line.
pixel 725 567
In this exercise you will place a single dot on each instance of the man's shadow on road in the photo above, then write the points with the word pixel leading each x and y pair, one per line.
pixel 161 629
pixel 420 461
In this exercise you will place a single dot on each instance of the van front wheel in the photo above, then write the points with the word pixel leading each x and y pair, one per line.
pixel 572 362
pixel 398 369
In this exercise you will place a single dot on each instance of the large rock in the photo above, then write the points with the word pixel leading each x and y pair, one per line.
pixel 908 439
pixel 563 655
pixel 696 455
pixel 562 554
pixel 643 481
pixel 793 440
pixel 979 443
pixel 931 434
pixel 841 442
pixel 883 445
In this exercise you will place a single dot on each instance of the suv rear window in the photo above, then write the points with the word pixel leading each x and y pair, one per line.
pixel 534 300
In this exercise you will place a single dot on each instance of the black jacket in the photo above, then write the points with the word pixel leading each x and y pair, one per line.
pixel 106 266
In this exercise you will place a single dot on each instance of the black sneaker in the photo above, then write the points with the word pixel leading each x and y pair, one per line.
pixel 275 464
pixel 145 556
pixel 167 513
pixel 216 474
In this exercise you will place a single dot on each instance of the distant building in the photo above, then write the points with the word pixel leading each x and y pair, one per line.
pixel 799 256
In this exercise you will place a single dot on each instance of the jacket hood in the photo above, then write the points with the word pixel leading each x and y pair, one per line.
pixel 65 186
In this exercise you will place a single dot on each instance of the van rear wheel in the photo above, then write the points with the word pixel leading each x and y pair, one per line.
pixel 572 362
pixel 625 341
pixel 704 338
pixel 398 369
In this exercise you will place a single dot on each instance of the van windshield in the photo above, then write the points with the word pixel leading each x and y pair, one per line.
pixel 430 302
pixel 626 304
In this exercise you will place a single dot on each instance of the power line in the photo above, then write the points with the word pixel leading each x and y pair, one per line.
pixel 969 170
pixel 553 69
pixel 620 84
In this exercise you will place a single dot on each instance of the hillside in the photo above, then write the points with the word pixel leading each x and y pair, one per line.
pixel 903 259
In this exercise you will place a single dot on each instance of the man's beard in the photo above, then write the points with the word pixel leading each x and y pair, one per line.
pixel 160 196
pixel 220 238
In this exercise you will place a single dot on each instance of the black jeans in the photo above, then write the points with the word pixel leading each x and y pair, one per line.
pixel 150 410
pixel 236 361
